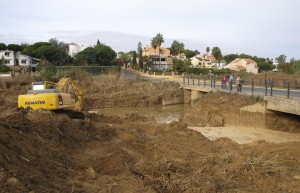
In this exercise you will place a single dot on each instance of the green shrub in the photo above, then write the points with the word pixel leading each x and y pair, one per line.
pixel 4 68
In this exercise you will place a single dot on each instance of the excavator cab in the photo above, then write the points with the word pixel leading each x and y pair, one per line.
pixel 42 85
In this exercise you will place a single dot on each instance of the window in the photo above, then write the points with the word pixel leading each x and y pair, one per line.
pixel 6 53
pixel 6 61
pixel 23 61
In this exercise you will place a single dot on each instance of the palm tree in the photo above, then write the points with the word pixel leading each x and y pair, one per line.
pixel 177 47
pixel 216 52
pixel 159 39
pixel 154 45
pixel 207 50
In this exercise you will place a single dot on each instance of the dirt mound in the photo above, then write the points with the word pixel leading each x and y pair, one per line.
pixel 33 148
pixel 217 109
pixel 170 158
pixel 9 97
pixel 128 93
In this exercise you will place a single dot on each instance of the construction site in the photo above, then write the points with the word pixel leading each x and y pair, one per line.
pixel 44 151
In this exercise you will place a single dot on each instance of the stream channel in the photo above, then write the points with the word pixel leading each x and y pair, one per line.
pixel 161 114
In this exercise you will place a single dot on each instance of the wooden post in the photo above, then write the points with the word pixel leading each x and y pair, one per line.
pixel 288 93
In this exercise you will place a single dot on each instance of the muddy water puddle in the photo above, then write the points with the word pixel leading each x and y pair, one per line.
pixel 161 114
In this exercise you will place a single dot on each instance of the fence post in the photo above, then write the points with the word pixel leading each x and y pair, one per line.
pixel 198 81
pixel 260 82
pixel 211 83
pixel 193 80
pixel 214 82
pixel 283 83
pixel 266 88
pixel 271 89
pixel 252 85
pixel 288 94
pixel 183 80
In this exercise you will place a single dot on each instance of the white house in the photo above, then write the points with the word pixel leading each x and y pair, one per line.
pixel 276 66
pixel 73 49
pixel 206 61
pixel 241 63
pixel 180 56
pixel 11 58
pixel 162 57
pixel 199 61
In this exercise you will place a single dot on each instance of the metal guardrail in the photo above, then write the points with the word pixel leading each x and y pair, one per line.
pixel 266 87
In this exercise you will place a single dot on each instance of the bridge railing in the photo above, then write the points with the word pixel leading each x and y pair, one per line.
pixel 277 83
pixel 267 87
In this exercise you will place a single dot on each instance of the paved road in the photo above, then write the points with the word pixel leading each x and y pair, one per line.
pixel 131 74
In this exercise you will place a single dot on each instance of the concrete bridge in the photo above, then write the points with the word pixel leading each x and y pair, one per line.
pixel 274 103
pixel 192 94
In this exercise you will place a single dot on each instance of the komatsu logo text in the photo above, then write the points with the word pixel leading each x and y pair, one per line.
pixel 35 103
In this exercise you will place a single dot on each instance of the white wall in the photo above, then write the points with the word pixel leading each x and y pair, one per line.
pixel 9 58
pixel 27 60
pixel 74 49
pixel 195 61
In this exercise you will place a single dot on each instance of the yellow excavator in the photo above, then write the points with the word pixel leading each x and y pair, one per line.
pixel 62 97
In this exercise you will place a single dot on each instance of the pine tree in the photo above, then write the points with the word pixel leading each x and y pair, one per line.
pixel 134 58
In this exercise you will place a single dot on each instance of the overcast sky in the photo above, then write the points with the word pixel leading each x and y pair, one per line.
pixel 265 28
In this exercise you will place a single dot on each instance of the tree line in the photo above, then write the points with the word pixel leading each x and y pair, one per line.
pixel 177 48
pixel 55 53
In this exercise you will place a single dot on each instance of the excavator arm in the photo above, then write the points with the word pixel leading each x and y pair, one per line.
pixel 67 85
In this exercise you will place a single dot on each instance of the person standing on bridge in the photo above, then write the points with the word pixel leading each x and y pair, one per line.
pixel 239 83
pixel 224 81
pixel 230 80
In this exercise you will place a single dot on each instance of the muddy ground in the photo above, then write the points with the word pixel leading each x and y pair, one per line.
pixel 41 151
